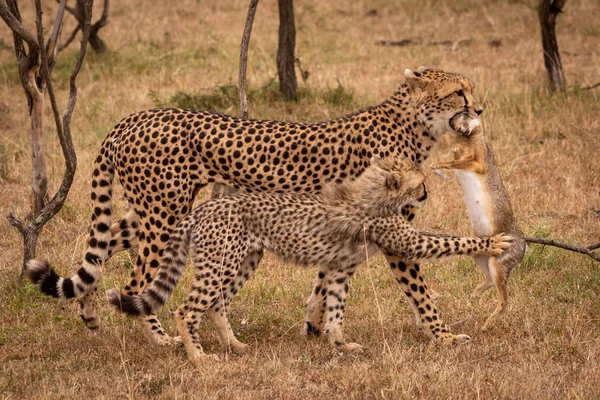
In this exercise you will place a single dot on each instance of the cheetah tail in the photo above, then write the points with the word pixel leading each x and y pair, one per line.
pixel 163 285
pixel 84 281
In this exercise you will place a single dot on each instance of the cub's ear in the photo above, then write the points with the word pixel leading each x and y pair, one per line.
pixel 394 181
pixel 415 79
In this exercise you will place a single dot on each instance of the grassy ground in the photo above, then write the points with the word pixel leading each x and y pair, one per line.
pixel 185 53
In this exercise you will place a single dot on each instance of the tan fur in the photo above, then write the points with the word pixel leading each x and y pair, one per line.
pixel 474 153
pixel 334 230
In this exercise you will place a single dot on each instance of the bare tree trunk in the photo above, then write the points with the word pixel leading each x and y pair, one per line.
pixel 39 178
pixel 288 84
pixel 219 190
pixel 547 12
pixel 36 82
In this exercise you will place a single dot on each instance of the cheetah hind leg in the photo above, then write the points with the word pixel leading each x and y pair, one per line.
pixel 218 311
pixel 187 324
pixel 218 317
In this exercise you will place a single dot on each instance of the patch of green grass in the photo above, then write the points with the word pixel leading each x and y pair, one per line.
pixel 225 98
pixel 9 73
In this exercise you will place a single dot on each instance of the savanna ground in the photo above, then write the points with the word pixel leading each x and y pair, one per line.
pixel 185 53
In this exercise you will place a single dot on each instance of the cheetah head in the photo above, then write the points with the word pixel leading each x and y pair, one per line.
pixel 384 188
pixel 444 101
pixel 398 182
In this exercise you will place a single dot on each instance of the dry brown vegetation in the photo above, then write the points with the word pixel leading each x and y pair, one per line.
pixel 546 346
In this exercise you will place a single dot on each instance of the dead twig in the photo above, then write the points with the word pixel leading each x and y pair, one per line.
pixel 244 57
pixel 460 322
pixel 549 242
pixel 595 85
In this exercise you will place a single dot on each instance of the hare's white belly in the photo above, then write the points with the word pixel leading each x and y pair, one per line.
pixel 477 201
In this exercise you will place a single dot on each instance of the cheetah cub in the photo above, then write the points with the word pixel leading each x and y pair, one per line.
pixel 489 209
pixel 335 230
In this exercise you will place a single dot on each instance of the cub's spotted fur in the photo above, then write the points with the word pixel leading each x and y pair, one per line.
pixel 334 230
pixel 162 158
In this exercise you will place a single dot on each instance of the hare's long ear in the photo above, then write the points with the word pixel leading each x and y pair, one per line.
pixel 415 79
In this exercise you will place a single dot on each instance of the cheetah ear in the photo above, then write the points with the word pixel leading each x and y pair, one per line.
pixel 415 79
pixel 394 181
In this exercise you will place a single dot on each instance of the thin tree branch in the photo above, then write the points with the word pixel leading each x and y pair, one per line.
pixel 594 247
pixel 16 26
pixel 52 44
pixel 565 246
pixel 64 128
pixel 595 85
pixel 26 60
pixel 103 21
pixel 244 58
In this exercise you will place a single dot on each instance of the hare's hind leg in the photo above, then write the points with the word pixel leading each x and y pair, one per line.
pixel 484 264
pixel 498 275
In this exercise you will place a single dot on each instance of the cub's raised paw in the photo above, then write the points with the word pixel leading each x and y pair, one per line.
pixel 499 243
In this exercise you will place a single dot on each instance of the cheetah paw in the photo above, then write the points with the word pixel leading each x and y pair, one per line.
pixel 349 348
pixel 239 347
pixel 200 358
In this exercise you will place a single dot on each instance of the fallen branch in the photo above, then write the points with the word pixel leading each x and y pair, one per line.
pixel 590 87
pixel 244 57
pixel 549 242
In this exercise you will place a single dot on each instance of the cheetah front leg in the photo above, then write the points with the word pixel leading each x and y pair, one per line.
pixel 411 282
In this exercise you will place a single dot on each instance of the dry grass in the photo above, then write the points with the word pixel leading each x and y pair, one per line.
pixel 546 346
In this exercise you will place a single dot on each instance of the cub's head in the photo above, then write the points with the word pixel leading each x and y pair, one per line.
pixel 396 182
pixel 382 189
pixel 444 101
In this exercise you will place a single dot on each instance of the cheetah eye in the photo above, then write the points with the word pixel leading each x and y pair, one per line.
pixel 460 92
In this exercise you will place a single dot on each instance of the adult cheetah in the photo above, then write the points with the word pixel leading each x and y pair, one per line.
pixel 162 157
pixel 335 229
